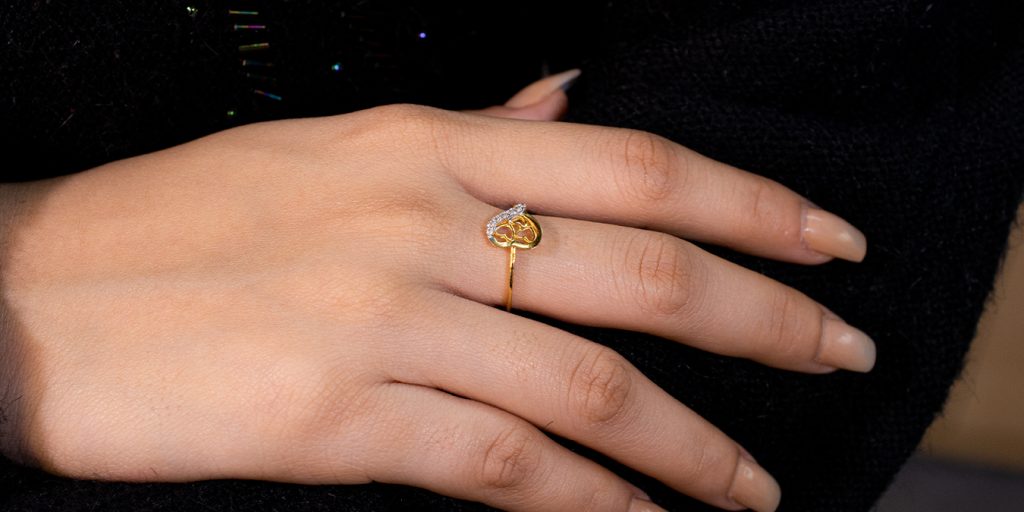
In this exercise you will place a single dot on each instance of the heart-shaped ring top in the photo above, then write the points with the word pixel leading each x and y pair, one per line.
pixel 514 228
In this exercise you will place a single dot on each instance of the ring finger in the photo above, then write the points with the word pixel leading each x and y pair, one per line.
pixel 628 278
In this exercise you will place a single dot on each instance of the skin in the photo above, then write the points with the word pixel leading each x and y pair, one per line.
pixel 276 301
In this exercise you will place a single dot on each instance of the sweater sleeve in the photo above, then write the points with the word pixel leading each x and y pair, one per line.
pixel 907 119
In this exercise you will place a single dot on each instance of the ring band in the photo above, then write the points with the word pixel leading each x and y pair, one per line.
pixel 512 229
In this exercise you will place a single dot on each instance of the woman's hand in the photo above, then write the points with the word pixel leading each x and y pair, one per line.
pixel 311 301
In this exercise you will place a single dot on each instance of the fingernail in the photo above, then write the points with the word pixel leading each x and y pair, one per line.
pixel 845 346
pixel 574 75
pixel 641 505
pixel 542 88
pixel 828 234
pixel 754 488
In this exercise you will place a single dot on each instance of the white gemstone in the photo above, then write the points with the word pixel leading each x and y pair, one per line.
pixel 513 212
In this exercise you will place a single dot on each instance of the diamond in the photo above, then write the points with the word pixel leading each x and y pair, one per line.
pixel 511 213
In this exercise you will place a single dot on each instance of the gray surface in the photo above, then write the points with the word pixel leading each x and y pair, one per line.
pixel 931 485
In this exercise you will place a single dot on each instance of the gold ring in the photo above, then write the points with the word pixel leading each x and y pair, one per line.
pixel 513 228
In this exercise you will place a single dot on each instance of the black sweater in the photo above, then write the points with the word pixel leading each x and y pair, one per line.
pixel 904 117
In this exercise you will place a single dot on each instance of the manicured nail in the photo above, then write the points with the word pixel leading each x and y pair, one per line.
pixel 844 346
pixel 543 88
pixel 828 234
pixel 641 505
pixel 574 75
pixel 754 488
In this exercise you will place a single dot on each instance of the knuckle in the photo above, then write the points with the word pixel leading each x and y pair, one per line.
pixel 509 459
pixel 762 211
pixel 404 115
pixel 649 165
pixel 699 463
pixel 703 461
pixel 666 277
pixel 417 126
pixel 785 326
pixel 711 465
pixel 601 388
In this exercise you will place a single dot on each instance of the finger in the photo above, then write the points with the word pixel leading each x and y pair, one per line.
pixel 543 100
pixel 551 108
pixel 469 450
pixel 635 178
pixel 585 392
pixel 543 88
pixel 606 275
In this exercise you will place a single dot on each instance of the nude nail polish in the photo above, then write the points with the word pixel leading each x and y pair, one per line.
pixel 844 346
pixel 641 505
pixel 543 88
pixel 828 234
pixel 754 488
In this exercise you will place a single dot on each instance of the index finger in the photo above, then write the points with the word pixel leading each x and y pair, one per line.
pixel 635 178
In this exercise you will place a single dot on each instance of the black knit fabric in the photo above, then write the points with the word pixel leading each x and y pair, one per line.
pixel 904 117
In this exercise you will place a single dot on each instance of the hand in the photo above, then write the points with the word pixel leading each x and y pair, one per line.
pixel 310 301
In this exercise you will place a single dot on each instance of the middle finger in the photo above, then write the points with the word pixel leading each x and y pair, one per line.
pixel 636 178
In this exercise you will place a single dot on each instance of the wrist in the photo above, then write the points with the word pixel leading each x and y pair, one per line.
pixel 14 395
